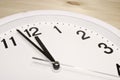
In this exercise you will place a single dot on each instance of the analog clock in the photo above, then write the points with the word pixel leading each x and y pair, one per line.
pixel 58 45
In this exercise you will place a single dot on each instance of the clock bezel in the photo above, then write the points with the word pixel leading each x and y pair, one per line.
pixel 115 32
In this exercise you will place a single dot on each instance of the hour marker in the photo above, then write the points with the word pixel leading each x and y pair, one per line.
pixel 57 29
pixel 112 44
pixel 6 43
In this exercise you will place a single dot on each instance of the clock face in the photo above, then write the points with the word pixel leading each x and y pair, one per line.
pixel 70 40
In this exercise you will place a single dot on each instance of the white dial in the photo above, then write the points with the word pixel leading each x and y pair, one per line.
pixel 71 39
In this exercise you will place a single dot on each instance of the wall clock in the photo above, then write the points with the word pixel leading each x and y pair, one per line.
pixel 58 45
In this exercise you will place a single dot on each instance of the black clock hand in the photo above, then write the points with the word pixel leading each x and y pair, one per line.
pixel 47 54
pixel 30 41
pixel 56 64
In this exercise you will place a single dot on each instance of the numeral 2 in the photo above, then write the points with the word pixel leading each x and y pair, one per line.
pixel 100 45
pixel 118 69
pixel 34 33
pixel 84 37
pixel 11 39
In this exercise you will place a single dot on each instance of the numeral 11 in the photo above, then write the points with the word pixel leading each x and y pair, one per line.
pixel 5 42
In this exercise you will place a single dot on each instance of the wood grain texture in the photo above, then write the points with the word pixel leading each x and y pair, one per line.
pixel 106 10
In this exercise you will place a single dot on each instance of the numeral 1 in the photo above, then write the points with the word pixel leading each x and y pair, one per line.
pixel 57 29
pixel 11 39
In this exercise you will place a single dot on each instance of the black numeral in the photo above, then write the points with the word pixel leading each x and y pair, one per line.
pixel 84 37
pixel 100 45
pixel 57 29
pixel 34 30
pixel 26 30
pixel 5 43
pixel 11 39
pixel 118 69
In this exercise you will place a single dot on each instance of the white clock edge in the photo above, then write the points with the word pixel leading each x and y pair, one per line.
pixel 53 12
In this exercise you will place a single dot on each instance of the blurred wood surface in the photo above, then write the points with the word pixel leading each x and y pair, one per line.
pixel 106 10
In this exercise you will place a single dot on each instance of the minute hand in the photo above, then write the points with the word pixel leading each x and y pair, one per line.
pixel 30 41
pixel 45 52
pixel 42 51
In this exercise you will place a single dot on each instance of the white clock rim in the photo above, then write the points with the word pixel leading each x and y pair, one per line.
pixel 59 12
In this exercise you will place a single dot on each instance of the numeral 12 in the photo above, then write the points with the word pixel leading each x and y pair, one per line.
pixel 5 42
pixel 34 33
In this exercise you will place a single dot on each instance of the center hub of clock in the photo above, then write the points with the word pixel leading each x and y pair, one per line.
pixel 56 65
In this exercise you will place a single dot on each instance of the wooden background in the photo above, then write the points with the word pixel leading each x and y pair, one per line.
pixel 106 10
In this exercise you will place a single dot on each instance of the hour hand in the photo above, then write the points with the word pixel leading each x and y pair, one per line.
pixel 47 54
pixel 56 64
